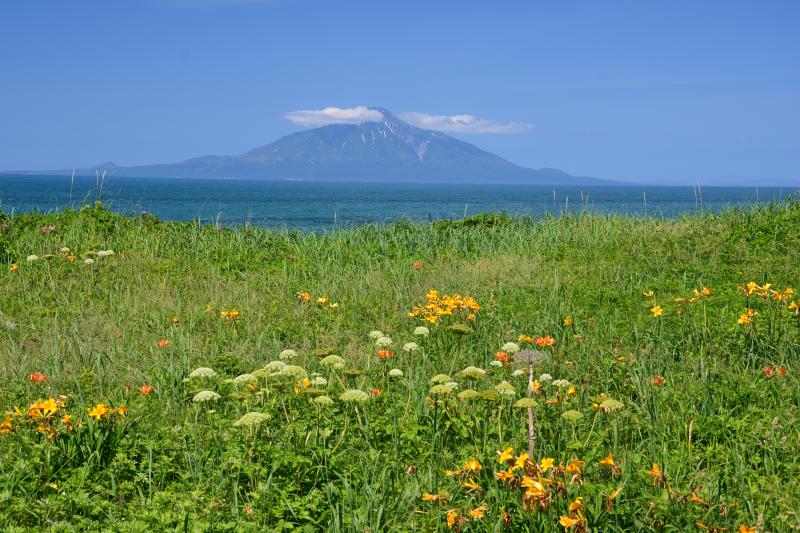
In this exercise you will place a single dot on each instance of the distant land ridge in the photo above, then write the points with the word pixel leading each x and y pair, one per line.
pixel 391 150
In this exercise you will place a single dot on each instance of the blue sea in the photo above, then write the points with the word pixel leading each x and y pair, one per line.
pixel 307 205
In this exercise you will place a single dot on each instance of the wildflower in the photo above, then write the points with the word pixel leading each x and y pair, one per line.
pixel 122 410
pixel 478 512
pixel 146 389
pixel 545 378
pixel 230 315
pixel 657 311
pixel 504 388
pixel 471 485
pixel 472 372
pixel 518 373
pixel 13 267
pixel 421 331
pixel 88 261
pixel 273 368
pixel 567 321
pixel 293 372
pixel 43 408
pixel 503 358
pixel 202 372
pixel 375 392
pixel 395 373
pixel 303 296
pixel 440 378
pixel 163 343
pixel 611 497
pixel 319 381
pixel 526 403
pixel 105 253
pixel 383 355
pixel 99 411
pixel 608 405
pixel 287 355
pixel 546 340
pixel 572 416
pixel 567 522
pixel 525 339
pixel 323 401
pixel 452 517
pixel 473 465
pixel 322 300
pixel 206 396
pixel 37 377
pixel 505 456
pixel 746 318
pixel 520 462
pixel 561 383
pixel 546 464
pixel 504 475
pixel 7 425
pixel 334 305
pixel 656 474
pixel 354 396
pixel 251 420
pixel 510 348
pixel 410 347
pixel 609 462
pixel 32 258
pixel 495 363
pixel 648 294
pixel 468 394
pixel 746 529
pixel 443 388
pixel 243 379
pixel 383 342
pixel 428 497
pixel 657 380
pixel 575 467
pixel 417 265
pixel 576 506
pixel 333 361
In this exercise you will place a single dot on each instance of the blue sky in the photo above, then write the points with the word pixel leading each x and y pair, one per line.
pixel 655 92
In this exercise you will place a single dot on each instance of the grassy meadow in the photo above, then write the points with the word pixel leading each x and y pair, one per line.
pixel 160 376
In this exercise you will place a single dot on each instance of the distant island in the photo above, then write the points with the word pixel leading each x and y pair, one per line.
pixel 389 150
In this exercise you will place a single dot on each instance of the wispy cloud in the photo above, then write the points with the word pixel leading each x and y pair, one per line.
pixel 463 123
pixel 334 115
pixel 449 123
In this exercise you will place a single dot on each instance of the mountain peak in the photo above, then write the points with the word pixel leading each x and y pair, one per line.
pixel 387 150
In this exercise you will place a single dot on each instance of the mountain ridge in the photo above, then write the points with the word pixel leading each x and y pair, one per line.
pixel 390 150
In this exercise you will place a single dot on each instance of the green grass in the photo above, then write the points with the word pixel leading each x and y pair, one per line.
pixel 718 427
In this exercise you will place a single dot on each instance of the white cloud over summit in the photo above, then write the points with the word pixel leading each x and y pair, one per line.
pixel 334 115
pixel 449 123
pixel 463 123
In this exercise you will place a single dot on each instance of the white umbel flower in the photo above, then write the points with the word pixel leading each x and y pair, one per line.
pixel 202 372
pixel 105 253
pixel 32 258
pixel 504 388
pixel 422 331
pixel 206 396
pixel 395 373
pixel 251 420
pixel 375 334
pixel 410 347
pixel 383 342
pixel 333 361
pixel 354 396
pixel 510 348
pixel 287 355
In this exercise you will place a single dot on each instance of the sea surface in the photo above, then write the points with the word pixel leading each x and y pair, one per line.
pixel 308 205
